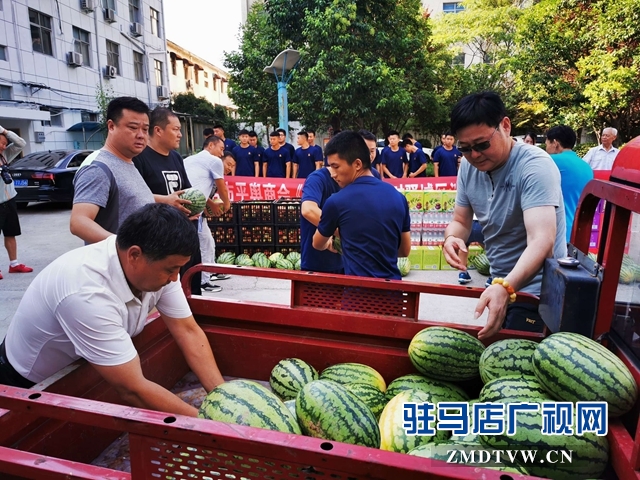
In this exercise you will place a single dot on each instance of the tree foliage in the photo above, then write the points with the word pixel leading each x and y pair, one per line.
pixel 202 108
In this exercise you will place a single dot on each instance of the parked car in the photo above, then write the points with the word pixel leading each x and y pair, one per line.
pixel 46 176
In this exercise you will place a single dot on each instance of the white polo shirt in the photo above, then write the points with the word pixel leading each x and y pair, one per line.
pixel 81 306
pixel 600 159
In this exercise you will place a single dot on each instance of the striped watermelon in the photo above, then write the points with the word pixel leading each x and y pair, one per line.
pixel 248 403
pixel 291 405
pixel 273 259
pixel 515 388
pixel 297 265
pixel 404 265
pixel 197 199
pixel 328 410
pixel 393 436
pixel 443 391
pixel 589 457
pixel 244 260
pixel 506 358
pixel 345 373
pixel 471 437
pixel 374 398
pixel 289 376
pixel 262 262
pixel 227 258
pixel 284 264
pixel 446 353
pixel 575 368
pixel 293 257
pixel 256 257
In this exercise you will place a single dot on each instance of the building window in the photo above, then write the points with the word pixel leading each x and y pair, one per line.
pixel 3 53
pixel 134 11
pixel 458 60
pixel 82 45
pixel 452 7
pixel 206 84
pixel 89 117
pixel 40 32
pixel 158 72
pixel 56 117
pixel 155 22
pixel 113 55
pixel 206 74
pixel 5 92
pixel 138 66
pixel 109 4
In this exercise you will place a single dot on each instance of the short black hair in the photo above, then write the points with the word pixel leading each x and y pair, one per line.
pixel 207 132
pixel 244 131
pixel 252 134
pixel 392 132
pixel 229 153
pixel 349 146
pixel 160 230
pixel 563 134
pixel 219 125
pixel 449 133
pixel 309 130
pixel 407 135
pixel 212 139
pixel 534 137
pixel 304 134
pixel 281 130
pixel 117 105
pixel 159 117
pixel 367 135
pixel 484 108
pixel 275 134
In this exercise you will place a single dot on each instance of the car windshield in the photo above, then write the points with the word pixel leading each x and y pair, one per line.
pixel 48 159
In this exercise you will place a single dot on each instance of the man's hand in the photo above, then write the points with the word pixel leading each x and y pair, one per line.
pixel 450 249
pixel 412 175
pixel 175 201
pixel 215 209
pixel 496 299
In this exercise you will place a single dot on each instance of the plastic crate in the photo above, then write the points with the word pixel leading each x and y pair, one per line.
pixel 255 234
pixel 222 248
pixel 287 249
pixel 287 210
pixel 268 249
pixel 255 212
pixel 225 234
pixel 287 235
pixel 230 217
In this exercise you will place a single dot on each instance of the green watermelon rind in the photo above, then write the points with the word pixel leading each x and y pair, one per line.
pixel 372 396
pixel 284 264
pixel 273 259
pixel 444 391
pixel 197 199
pixel 244 260
pixel 226 258
pixel 404 265
pixel 351 372
pixel 506 358
pixel 516 387
pixel 289 376
pixel 293 257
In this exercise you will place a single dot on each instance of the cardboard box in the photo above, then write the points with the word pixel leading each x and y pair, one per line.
pixel 432 201
pixel 431 258
pixel 443 263
pixel 448 200
pixel 415 199
pixel 415 258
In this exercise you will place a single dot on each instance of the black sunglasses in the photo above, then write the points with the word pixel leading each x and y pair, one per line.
pixel 479 147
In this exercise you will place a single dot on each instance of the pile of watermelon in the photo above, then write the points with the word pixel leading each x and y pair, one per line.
pixel 261 260
pixel 352 403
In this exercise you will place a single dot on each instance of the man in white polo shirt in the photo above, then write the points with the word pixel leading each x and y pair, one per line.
pixel 602 156
pixel 91 301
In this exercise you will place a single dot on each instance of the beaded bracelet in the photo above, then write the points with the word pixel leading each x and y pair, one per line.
pixel 505 284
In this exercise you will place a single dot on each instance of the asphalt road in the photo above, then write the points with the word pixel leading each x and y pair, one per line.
pixel 45 236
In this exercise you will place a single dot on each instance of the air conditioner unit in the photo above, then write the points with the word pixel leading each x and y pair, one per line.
pixel 109 15
pixel 163 92
pixel 189 84
pixel 88 5
pixel 74 59
pixel 136 29
pixel 110 71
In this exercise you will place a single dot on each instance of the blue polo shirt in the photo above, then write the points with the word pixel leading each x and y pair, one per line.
pixel 318 187
pixel 306 159
pixel 370 236
pixel 447 161
pixel 376 161
pixel 229 144
pixel 394 160
pixel 245 158
pixel 416 160
pixel 259 154
pixel 276 162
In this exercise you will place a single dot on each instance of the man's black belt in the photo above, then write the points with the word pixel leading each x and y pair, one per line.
pixel 8 374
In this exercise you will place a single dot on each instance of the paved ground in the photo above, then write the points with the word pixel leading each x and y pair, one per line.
pixel 45 236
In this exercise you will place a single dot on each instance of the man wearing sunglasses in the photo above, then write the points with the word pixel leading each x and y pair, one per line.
pixel 514 191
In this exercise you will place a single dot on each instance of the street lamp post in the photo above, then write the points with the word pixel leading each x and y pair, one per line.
pixel 282 67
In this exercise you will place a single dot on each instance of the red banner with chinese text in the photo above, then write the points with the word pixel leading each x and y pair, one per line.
pixel 252 188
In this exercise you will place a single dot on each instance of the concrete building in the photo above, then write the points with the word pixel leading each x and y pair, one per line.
pixel 56 56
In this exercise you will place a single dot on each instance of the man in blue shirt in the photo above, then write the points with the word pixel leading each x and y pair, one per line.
pixel 417 160
pixel 318 187
pixel 306 158
pixel 218 131
pixel 575 173
pixel 408 138
pixel 394 158
pixel 311 134
pixel 253 141
pixel 446 158
pixel 374 155
pixel 247 161
pixel 282 136
pixel 372 239
pixel 276 160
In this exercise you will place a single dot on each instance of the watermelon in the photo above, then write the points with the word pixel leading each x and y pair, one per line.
pixel 248 403
pixel 575 368
pixel 329 410
pixel 293 257
pixel 590 453
pixel 470 437
pixel 345 373
pixel 244 260
pixel 404 266
pixel 337 245
pixel 506 358
pixel 256 257
pixel 518 387
pixel 197 199
pixel 446 353
pixel 296 265
pixel 284 264
pixel 374 398
pixel 443 391
pixel 481 262
pixel 289 376
pixel 273 259
pixel 291 405
pixel 262 262
pixel 227 258
pixel 393 436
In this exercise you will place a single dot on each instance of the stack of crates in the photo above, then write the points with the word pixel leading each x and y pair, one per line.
pixel 225 231
pixel 256 229
pixel 287 225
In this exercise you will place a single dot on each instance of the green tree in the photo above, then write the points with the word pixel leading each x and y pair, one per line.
pixel 202 108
